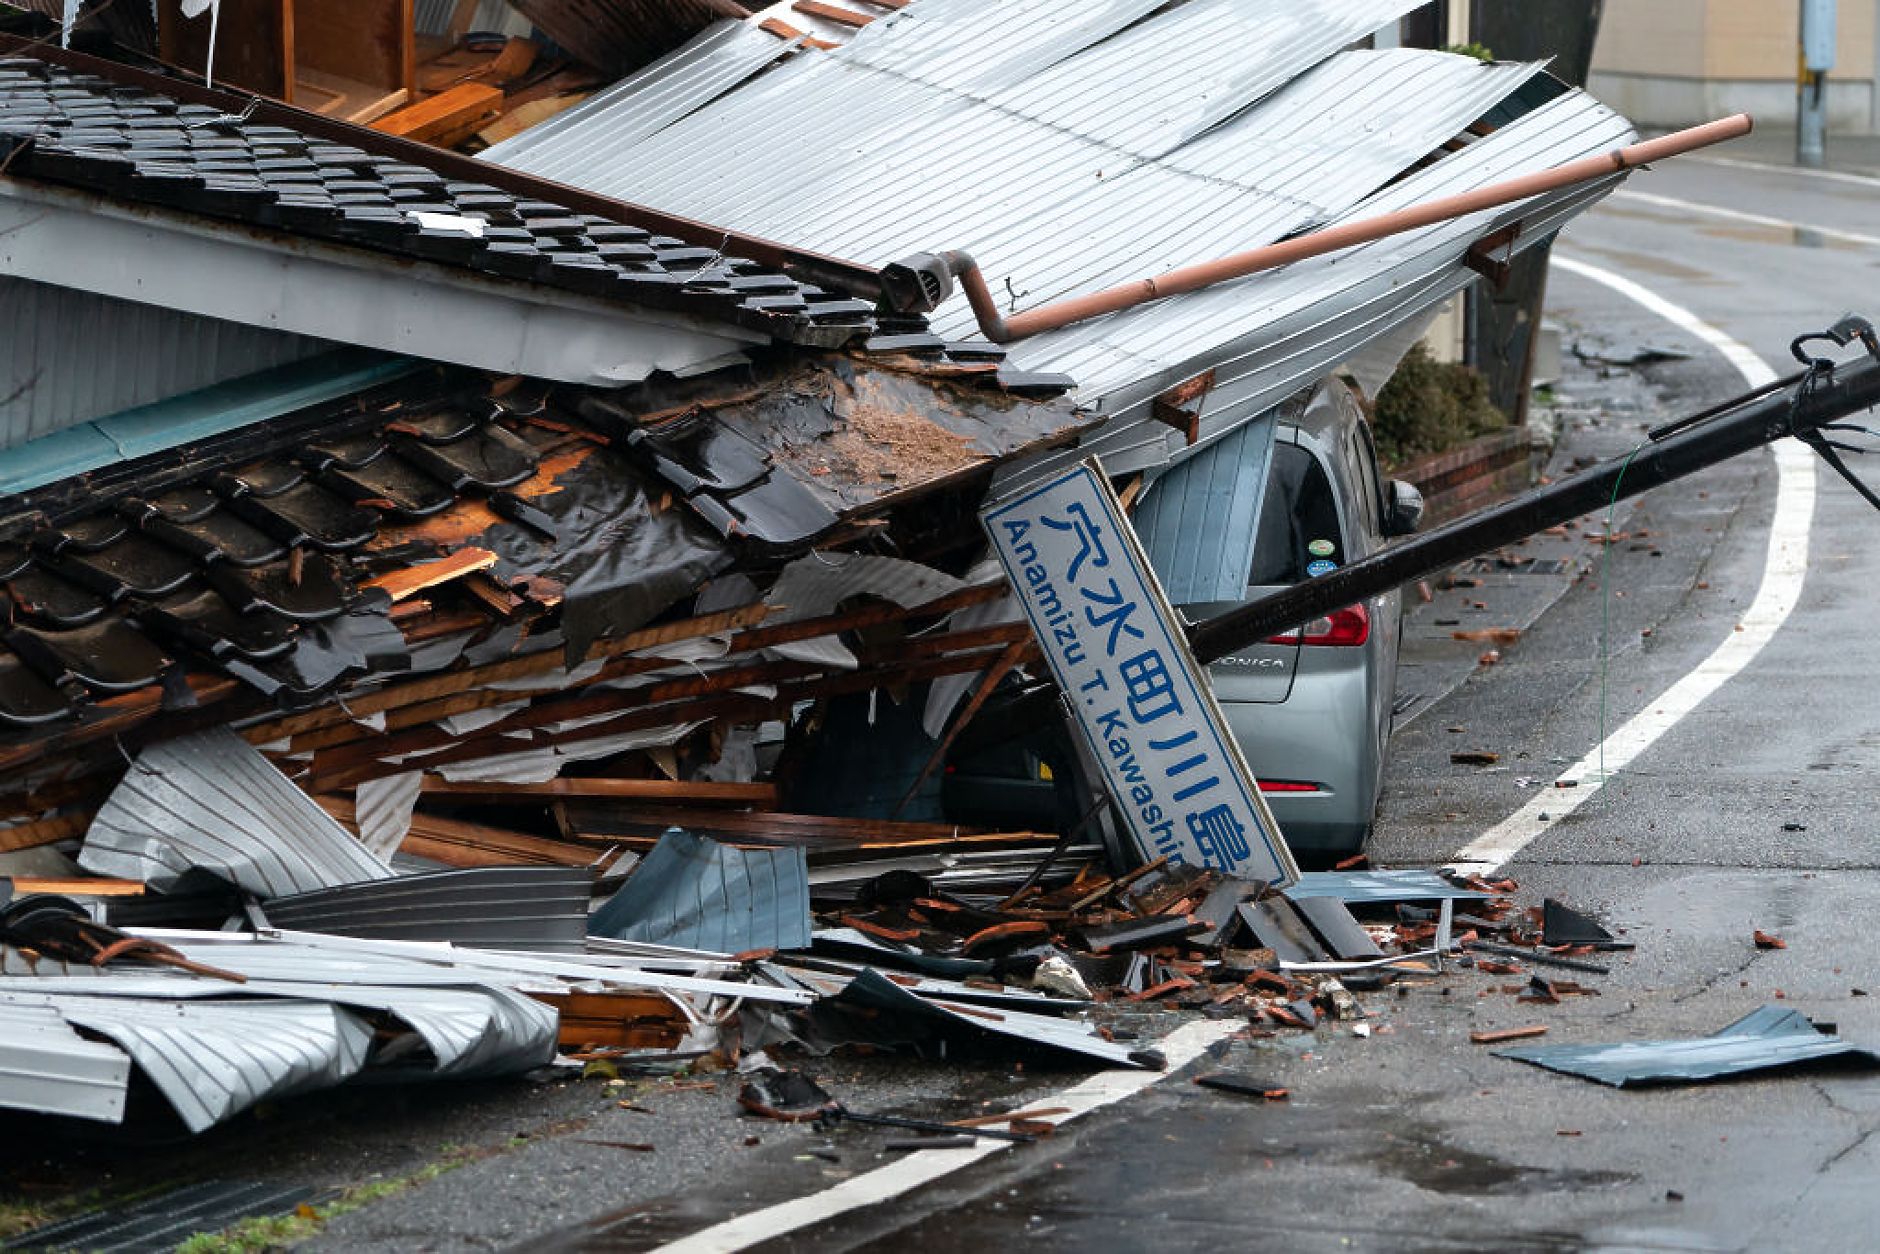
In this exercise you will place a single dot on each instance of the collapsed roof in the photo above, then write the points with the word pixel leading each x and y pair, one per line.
pixel 1070 151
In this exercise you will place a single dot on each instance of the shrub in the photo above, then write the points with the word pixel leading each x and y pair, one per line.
pixel 1430 406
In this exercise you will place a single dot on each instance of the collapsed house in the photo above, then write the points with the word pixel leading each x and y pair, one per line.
pixel 397 547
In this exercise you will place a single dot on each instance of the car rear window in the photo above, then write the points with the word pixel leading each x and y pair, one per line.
pixel 1298 519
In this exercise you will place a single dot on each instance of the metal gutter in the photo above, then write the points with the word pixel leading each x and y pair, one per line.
pixel 845 276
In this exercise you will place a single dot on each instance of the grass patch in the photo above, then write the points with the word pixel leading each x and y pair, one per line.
pixel 18 1217
pixel 1430 406
pixel 273 1232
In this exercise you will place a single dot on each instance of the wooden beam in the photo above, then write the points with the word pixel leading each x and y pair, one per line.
pixel 701 794
pixel 456 843
pixel 466 105
pixel 45 832
pixel 23 884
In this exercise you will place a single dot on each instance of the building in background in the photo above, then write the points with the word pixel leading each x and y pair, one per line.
pixel 1670 63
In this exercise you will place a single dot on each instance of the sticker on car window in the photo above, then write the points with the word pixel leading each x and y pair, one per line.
pixel 1321 567
pixel 1321 548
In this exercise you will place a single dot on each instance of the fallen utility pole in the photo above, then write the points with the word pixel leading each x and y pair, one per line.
pixel 1801 406
pixel 1804 405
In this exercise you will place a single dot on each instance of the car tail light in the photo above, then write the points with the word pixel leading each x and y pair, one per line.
pixel 1351 625
pixel 1290 785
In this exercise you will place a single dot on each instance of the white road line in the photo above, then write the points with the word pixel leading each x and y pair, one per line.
pixel 1738 215
pixel 1831 176
pixel 1783 570
pixel 1180 1047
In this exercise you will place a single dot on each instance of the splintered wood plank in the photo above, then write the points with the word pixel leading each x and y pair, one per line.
pixel 513 61
pixel 415 579
pixel 636 1020
pixel 44 832
pixel 456 843
pixel 347 99
pixel 616 789
pixel 23 884
pixel 430 121
pixel 529 113
pixel 832 13
pixel 601 820
pixel 452 682
pixel 783 30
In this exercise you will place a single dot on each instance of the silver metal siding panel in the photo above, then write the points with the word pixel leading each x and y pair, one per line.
pixel 699 894
pixel 211 801
pixel 1197 521
pixel 593 133
pixel 48 1068
pixel 542 909
pixel 213 1059
pixel 79 356
pixel 432 17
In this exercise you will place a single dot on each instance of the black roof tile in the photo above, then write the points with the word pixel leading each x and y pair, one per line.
pixel 26 700
pixel 109 656
pixel 79 129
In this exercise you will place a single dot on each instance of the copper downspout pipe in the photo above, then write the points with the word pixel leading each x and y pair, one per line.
pixel 1002 330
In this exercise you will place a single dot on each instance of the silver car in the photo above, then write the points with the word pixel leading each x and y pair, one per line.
pixel 1278 502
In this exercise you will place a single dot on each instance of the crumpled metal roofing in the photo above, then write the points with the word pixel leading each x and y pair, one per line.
pixel 1771 1036
pixel 46 1066
pixel 211 801
pixel 303 1019
pixel 1070 151
pixel 699 894
pixel 1351 886
pixel 211 1059
pixel 539 908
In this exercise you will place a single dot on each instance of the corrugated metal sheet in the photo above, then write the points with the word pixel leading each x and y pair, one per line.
pixel 910 1017
pixel 382 809
pixel 220 407
pixel 540 908
pixel 47 1067
pixel 1071 151
pixel 1351 886
pixel 1197 521
pixel 433 17
pixel 813 586
pixel 67 356
pixel 603 128
pixel 619 35
pixel 467 1025
pixel 1772 1036
pixel 210 801
pixel 211 1059
pixel 699 894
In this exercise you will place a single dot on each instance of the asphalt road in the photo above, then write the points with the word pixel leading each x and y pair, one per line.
pixel 1752 812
